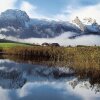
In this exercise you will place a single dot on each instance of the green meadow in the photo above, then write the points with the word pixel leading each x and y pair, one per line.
pixel 11 45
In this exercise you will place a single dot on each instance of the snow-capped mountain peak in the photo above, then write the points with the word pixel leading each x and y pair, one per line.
pixel 16 18
pixel 89 21
pixel 18 24
pixel 87 25
pixel 15 14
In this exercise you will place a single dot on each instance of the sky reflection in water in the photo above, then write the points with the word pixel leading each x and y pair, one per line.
pixel 45 89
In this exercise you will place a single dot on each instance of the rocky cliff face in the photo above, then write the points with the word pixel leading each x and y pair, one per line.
pixel 17 23
pixel 87 25
pixel 14 18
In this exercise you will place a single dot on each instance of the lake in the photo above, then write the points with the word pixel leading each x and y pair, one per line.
pixel 21 80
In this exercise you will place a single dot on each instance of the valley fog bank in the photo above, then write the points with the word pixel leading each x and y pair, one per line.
pixel 63 40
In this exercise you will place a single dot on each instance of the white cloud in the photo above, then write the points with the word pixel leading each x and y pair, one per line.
pixel 67 14
pixel 25 6
pixel 91 11
pixel 7 4
pixel 70 13
pixel 31 10
pixel 62 39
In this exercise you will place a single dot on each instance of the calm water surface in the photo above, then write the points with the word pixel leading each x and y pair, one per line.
pixel 24 81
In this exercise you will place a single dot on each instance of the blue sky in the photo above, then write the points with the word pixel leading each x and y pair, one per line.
pixel 50 7
pixel 54 9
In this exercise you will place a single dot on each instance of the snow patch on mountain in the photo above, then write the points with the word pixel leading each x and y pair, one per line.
pixel 3 30
pixel 87 25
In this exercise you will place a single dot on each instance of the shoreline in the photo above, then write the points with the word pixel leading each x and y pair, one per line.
pixel 78 56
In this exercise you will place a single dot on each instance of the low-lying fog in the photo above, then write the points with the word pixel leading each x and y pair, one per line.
pixel 63 39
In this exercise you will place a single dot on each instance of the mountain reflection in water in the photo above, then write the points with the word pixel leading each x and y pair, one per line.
pixel 28 81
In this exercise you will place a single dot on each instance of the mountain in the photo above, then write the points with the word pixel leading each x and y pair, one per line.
pixel 17 23
pixel 15 18
pixel 87 26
